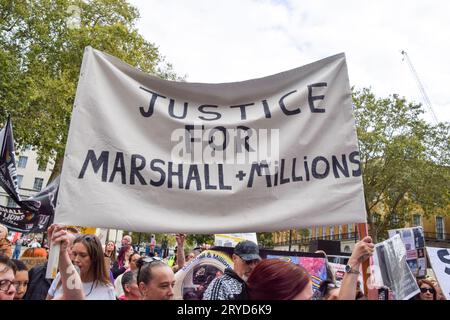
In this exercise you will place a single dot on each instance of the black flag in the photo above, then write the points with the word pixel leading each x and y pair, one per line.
pixel 8 172
pixel 24 220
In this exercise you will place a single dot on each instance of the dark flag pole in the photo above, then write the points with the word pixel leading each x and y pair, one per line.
pixel 290 239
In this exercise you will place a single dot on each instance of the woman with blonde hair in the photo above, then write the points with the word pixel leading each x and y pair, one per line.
pixel 5 244
pixel 427 290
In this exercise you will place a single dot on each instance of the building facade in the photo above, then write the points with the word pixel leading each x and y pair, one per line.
pixel 436 231
pixel 302 240
pixel 31 177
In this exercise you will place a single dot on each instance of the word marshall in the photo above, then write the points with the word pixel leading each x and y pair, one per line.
pixel 136 169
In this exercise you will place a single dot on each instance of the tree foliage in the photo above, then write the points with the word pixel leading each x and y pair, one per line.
pixel 195 240
pixel 405 161
pixel 265 239
pixel 41 49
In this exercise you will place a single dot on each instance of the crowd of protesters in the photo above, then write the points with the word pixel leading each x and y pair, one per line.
pixel 87 270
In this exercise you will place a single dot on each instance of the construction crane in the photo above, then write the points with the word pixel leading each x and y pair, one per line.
pixel 419 84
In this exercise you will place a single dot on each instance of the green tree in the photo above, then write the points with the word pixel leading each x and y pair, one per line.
pixel 159 237
pixel 265 239
pixel 194 240
pixel 405 161
pixel 41 49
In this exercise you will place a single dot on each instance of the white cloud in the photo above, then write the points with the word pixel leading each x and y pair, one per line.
pixel 235 40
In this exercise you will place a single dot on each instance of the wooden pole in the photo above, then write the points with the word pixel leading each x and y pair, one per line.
pixel 363 232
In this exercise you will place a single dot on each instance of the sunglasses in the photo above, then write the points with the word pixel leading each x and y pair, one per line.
pixel 143 261
pixel 424 290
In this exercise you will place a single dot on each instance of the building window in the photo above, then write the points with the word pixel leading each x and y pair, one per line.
pixel 394 220
pixel 42 167
pixel 349 230
pixel 38 184
pixel 416 220
pixel 440 228
pixel 19 180
pixel 331 232
pixel 11 203
pixel 340 231
pixel 317 233
pixel 324 232
pixel 22 162
pixel 376 218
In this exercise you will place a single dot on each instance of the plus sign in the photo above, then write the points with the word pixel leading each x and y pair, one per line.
pixel 240 175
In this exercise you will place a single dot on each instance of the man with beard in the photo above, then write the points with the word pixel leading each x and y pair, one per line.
pixel 232 285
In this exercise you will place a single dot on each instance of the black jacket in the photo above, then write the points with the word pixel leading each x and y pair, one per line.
pixel 38 285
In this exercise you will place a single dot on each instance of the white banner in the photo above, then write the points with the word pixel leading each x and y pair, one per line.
pixel 391 269
pixel 440 262
pixel 232 239
pixel 414 241
pixel 145 154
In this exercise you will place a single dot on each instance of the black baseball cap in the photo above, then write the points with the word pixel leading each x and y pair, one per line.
pixel 247 250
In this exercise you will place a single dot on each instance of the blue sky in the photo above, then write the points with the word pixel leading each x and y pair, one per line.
pixel 235 40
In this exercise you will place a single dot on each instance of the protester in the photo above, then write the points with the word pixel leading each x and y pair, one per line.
pixel 38 284
pixel 132 263
pixel 110 251
pixel 34 244
pixel 34 253
pixel 130 287
pixel 232 286
pixel 122 263
pixel 126 241
pixel 361 252
pixel 17 248
pixel 5 244
pixel 21 279
pixel 155 279
pixel 281 280
pixel 7 275
pixel 274 279
pixel 189 257
pixel 180 257
pixel 87 254
pixel 427 290
pixel 328 289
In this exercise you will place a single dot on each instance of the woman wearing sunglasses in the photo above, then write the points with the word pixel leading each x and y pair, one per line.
pixel 427 290
pixel 92 282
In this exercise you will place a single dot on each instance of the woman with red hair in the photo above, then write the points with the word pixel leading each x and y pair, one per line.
pixel 427 290
pixel 274 279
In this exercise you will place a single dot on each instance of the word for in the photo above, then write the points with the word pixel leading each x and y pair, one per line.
pixel 197 144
